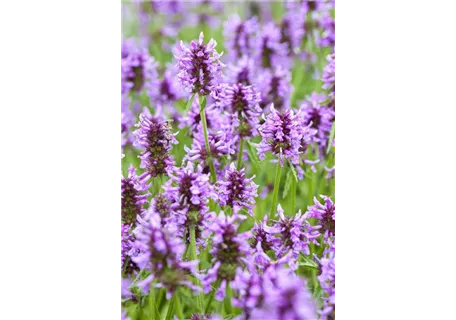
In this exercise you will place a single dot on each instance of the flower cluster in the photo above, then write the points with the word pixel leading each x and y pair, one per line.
pixel 329 79
pixel 200 67
pixel 134 193
pixel 229 249
pixel 154 137
pixel 239 36
pixel 275 88
pixel 326 215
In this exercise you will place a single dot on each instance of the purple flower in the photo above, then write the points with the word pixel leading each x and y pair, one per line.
pixel 134 193
pixel 127 120
pixel 325 213
pixel 264 235
pixel 188 192
pixel 248 286
pixel 329 79
pixel 318 116
pixel 327 24
pixel 154 137
pixel 160 252
pixel 200 67
pixel 285 296
pixel 126 242
pixel 241 103
pixel 236 191
pixel 161 206
pixel 292 30
pixel 269 50
pixel 214 119
pixel 295 234
pixel 327 280
pixel 243 71
pixel 220 144
pixel 275 87
pixel 229 250
pixel 124 316
pixel 138 69
pixel 282 135
pixel 238 35
pixel 167 90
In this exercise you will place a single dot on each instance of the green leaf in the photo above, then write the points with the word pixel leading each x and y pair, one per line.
pixel 331 137
pixel 251 150
pixel 189 103
pixel 293 171
pixel 287 185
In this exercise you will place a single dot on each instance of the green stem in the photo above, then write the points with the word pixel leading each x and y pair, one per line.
pixel 202 100
pixel 293 195
pixel 193 256
pixel 275 194
pixel 241 150
pixel 179 312
pixel 211 297
pixel 228 306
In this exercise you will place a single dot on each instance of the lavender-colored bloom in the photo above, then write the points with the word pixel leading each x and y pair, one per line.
pixel 243 71
pixel 236 191
pixel 241 103
pixel 285 296
pixel 330 172
pixel 264 235
pixel 214 119
pixel 319 116
pixel 295 234
pixel 124 316
pixel 327 279
pixel 138 68
pixel 127 120
pixel 160 252
pixel 282 135
pixel 126 240
pixel 229 250
pixel 269 50
pixel 154 137
pixel 328 27
pixel 238 35
pixel 188 192
pixel 329 79
pixel 248 286
pixel 167 90
pixel 161 206
pixel 292 30
pixel 134 193
pixel 325 213
pixel 275 87
pixel 200 67
pixel 220 144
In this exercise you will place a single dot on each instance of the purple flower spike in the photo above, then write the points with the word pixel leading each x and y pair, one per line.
pixel 128 267
pixel 275 88
pixel 127 121
pixel 326 214
pixel 167 90
pixel 241 103
pixel 269 50
pixel 154 137
pixel 243 71
pixel 239 36
pixel 295 234
pixel 138 69
pixel 160 252
pixel 236 191
pixel 281 134
pixel 193 120
pixel 318 116
pixel 285 296
pixel 221 144
pixel 327 279
pixel 134 193
pixel 229 250
pixel 188 192
pixel 329 79
pixel 200 67
pixel 292 30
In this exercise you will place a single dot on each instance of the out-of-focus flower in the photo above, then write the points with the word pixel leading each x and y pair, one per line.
pixel 269 50
pixel 134 193
pixel 242 71
pixel 327 279
pixel 275 87
pixel 239 36
pixel 329 79
pixel 128 267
